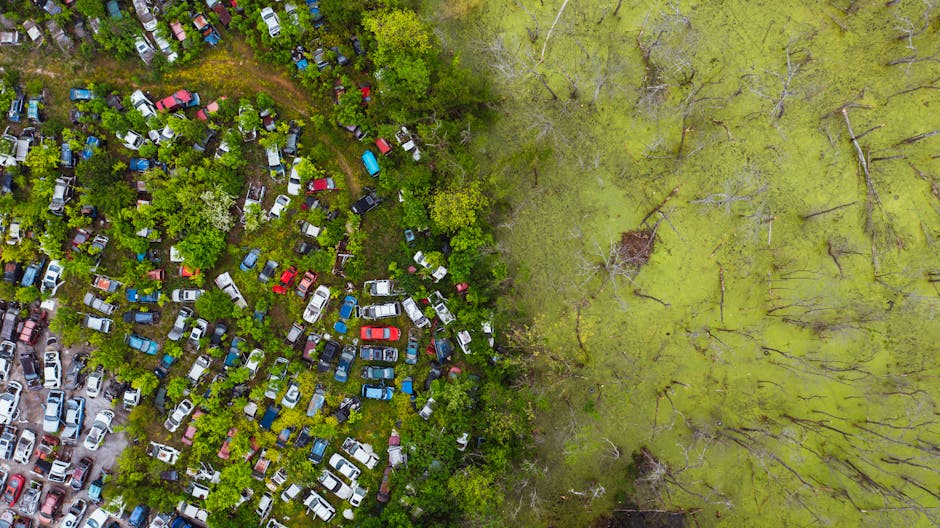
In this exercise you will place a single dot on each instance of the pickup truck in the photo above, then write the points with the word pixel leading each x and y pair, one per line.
pixel 378 353
pixel 105 283
pixel 227 285
pixel 99 304
pixel 254 196
pixel 380 311
pixel 362 453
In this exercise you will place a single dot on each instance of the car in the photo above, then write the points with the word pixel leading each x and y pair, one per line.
pixel 147 346
pixel 306 282
pixel 8 442
pixel 210 109
pixel 270 19
pixel 382 288
pixel 249 261
pixel 136 316
pixel 74 514
pixel 333 483
pixel 286 281
pixel 428 409
pixel 136 296
pixel 94 383
pixel 293 179
pixel 190 434
pixel 142 104
pixel 182 98
pixel 254 362
pixel 365 204
pixel 164 453
pixel 330 350
pixel 345 467
pixel 98 519
pixel 280 204
pixel 52 417
pixel 380 311
pixel 81 473
pixel 144 49
pixel 378 373
pixel 321 184
pixel 411 350
pixel 179 325
pixel 10 402
pixel 225 452
pixel 199 368
pixel 186 295
pixel 13 489
pixel 318 450
pixel 264 506
pixel 198 332
pixel 24 447
pixel 99 429
pixel 74 418
pixel 385 486
pixel 319 507
pixel 7 350
pixel 275 374
pixel 268 271
pixel 318 301
pixel 291 396
pixel 345 363
pixel 414 313
pixel 132 140
pixel 51 369
pixel 348 308
pixel 182 410
pixel 359 493
pixel 379 333
pixel 377 392
pixel 52 279
pixel 360 453
pixel 219 330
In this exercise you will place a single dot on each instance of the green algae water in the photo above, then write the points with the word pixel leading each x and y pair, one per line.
pixel 775 361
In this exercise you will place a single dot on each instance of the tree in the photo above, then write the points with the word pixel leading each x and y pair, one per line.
pixel 475 490
pixel 232 480
pixel 176 388
pixel 214 305
pixel 216 207
pixel 202 248
pixel 147 382
pixel 454 209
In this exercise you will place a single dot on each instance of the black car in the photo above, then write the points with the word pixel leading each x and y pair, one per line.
pixel 303 439
pixel 12 272
pixel 139 317
pixel 433 374
pixel 268 271
pixel 218 332
pixel 115 389
pixel 349 404
pixel 366 203
pixel 357 45
pixel 293 138
pixel 30 370
pixel 73 375
pixel 330 350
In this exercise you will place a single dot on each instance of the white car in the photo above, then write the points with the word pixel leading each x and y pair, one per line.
pixel 280 204
pixel 198 332
pixel 144 49
pixel 317 303
pixel 359 493
pixel 94 383
pixel 143 105
pixel 199 368
pixel 51 369
pixel 439 272
pixel 254 362
pixel 179 325
pixel 275 375
pixel 24 447
pixel 7 351
pixel 318 505
pixel 333 483
pixel 75 513
pixel 52 279
pixel 97 519
pixel 344 466
pixel 99 429
pixel 164 453
pixel 132 140
pixel 181 411
pixel 10 402
pixel 292 396
pixel 360 452
pixel 264 506
pixel 52 417
pixel 293 180
pixel 271 20
pixel 186 294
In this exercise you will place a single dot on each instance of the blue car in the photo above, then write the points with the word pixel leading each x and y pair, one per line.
pixel 318 450
pixel 250 260
pixel 377 392
pixel 234 357
pixel 81 94
pixel 371 164
pixel 147 346
pixel 91 145
pixel 345 312
pixel 345 363
pixel 408 387
pixel 139 164
pixel 29 276
pixel 133 295
pixel 66 159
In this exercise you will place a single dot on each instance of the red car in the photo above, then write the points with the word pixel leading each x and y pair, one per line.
pixel 51 505
pixel 190 433
pixel 13 490
pixel 286 282
pixel 380 333
pixel 321 184
pixel 307 282
pixel 30 333
pixel 226 450
pixel 211 108
pixel 182 98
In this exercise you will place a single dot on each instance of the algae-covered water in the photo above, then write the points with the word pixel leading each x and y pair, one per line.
pixel 775 363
